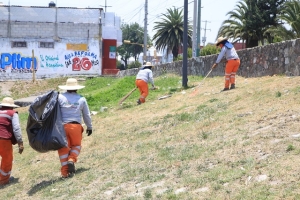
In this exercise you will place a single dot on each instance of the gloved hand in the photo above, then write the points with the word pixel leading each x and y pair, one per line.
pixel 214 66
pixel 89 132
pixel 153 87
pixel 21 147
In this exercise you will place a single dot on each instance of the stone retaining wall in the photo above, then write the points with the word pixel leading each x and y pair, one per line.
pixel 277 58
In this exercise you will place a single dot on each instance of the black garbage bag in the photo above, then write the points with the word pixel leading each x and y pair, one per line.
pixel 45 130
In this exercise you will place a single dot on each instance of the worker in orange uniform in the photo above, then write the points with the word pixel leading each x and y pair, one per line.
pixel 232 64
pixel 10 134
pixel 74 107
pixel 142 78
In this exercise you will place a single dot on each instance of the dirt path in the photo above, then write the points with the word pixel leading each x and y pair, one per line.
pixel 5 88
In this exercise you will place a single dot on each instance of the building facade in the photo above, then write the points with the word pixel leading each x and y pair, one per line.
pixel 54 41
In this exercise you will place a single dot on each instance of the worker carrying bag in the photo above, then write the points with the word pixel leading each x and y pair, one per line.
pixel 45 129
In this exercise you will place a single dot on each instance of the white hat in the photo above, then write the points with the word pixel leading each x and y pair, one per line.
pixel 8 102
pixel 71 84
pixel 148 64
pixel 219 40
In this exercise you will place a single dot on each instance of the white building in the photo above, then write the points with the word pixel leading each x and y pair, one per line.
pixel 60 41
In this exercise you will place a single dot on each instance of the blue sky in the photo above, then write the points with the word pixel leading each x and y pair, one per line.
pixel 130 11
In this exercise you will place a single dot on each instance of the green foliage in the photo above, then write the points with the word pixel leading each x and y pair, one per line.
pixel 135 34
pixel 290 13
pixel 209 50
pixel 278 94
pixel 290 148
pixel 148 193
pixel 120 66
pixel 180 56
pixel 135 64
pixel 189 52
pixel 251 21
pixel 108 91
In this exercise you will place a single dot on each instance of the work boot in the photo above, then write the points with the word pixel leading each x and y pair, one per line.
pixel 71 167
pixel 11 179
pixel 139 102
pixel 64 177
pixel 232 86
pixel 225 89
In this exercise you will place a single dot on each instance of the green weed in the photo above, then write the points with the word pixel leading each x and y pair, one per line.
pixel 278 94
pixel 290 147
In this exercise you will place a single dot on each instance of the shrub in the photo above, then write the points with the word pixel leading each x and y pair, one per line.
pixel 209 50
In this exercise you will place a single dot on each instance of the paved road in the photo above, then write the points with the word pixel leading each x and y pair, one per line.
pixel 23 102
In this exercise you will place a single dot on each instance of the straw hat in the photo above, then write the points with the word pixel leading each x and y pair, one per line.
pixel 219 40
pixel 148 64
pixel 71 84
pixel 8 102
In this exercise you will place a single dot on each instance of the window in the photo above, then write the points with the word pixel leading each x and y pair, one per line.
pixel 19 44
pixel 46 45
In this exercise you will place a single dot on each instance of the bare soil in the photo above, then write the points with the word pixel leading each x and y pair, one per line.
pixel 5 87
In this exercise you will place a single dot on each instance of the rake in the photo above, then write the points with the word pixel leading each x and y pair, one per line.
pixel 194 92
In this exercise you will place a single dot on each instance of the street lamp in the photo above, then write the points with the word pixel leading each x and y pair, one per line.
pixel 128 42
pixel 142 45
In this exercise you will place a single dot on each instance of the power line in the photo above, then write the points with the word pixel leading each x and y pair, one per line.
pixel 106 6
pixel 204 38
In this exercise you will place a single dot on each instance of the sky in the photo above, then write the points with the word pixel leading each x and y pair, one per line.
pixel 213 12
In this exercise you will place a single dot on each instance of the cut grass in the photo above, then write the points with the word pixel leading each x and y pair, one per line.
pixel 240 144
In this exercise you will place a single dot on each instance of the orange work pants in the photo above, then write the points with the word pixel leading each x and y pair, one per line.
pixel 230 71
pixel 6 153
pixel 70 153
pixel 144 90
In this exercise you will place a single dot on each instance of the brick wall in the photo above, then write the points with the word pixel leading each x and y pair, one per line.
pixel 31 30
pixel 47 30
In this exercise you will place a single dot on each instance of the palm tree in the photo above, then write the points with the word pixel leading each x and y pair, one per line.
pixel 252 21
pixel 238 26
pixel 290 13
pixel 169 32
pixel 234 27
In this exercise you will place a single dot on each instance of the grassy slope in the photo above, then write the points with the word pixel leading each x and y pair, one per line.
pixel 197 144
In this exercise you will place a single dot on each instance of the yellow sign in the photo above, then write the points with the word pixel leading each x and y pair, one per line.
pixel 77 47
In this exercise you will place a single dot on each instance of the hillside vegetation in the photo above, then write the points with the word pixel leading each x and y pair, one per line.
pixel 197 144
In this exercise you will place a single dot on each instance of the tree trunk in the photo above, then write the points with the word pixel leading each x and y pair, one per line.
pixel 252 43
pixel 175 52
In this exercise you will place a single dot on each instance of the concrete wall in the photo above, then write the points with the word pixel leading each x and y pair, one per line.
pixel 65 59
pixel 278 58
pixel 76 35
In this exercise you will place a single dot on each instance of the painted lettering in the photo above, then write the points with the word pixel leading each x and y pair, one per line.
pixel 17 62
pixel 51 58
pixel 54 65
pixel 76 64
pixel 80 54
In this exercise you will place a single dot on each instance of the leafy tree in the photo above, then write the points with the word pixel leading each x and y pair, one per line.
pixel 135 34
pixel 169 32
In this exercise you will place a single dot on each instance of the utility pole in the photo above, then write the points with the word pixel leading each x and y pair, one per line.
pixel 105 6
pixel 204 38
pixel 194 49
pixel 185 41
pixel 198 28
pixel 145 31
